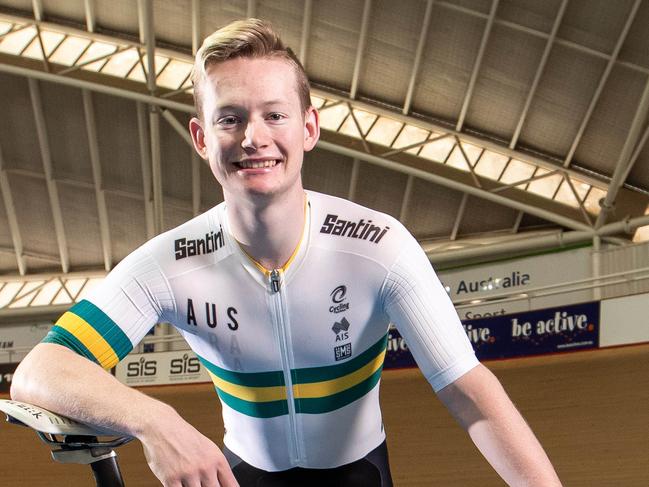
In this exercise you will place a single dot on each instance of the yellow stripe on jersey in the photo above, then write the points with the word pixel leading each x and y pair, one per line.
pixel 333 386
pixel 247 393
pixel 88 336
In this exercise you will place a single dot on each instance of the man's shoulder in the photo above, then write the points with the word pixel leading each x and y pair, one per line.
pixel 344 225
pixel 203 235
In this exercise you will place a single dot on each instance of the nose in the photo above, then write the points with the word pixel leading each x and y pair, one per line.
pixel 255 136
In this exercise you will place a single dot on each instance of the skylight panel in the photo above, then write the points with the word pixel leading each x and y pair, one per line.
pixel 566 196
pixel 491 165
pixel 74 285
pixel 350 128
pixel 4 27
pixel 411 135
pixel 97 50
pixel 546 186
pixel 121 63
pixel 457 160
pixel 62 297
pixel 69 50
pixel 16 42
pixel 517 171
pixel 174 74
pixel 50 40
pixel 90 286
pixel 384 131
pixel 316 101
pixel 137 74
pixel 364 120
pixel 438 150
pixel 592 200
pixel 47 293
pixel 331 118
pixel 8 291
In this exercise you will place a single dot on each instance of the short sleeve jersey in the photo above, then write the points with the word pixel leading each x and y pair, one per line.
pixel 295 354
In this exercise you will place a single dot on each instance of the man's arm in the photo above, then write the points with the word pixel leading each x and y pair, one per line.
pixel 56 378
pixel 480 404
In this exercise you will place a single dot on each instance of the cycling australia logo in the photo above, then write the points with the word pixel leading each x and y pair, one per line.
pixel 339 300
pixel 185 247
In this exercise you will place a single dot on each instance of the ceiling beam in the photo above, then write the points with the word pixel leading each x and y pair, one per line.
pixel 96 87
pixel 91 19
pixel 602 82
pixel 306 31
pixel 476 66
pixel 12 219
pixel 196 26
pixel 46 156
pixel 459 216
pixel 554 240
pixel 405 202
pixel 147 37
pixel 178 127
pixel 419 54
pixel 37 6
pixel 625 160
pixel 456 185
pixel 539 72
pixel 145 159
pixel 353 180
pixel 251 11
pixel 517 222
pixel 95 162
pixel 360 51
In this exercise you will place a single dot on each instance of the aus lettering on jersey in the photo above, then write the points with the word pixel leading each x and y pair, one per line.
pixel 361 229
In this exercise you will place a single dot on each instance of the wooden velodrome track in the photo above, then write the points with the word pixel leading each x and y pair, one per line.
pixel 589 409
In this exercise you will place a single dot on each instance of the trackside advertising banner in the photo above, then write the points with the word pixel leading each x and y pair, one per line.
pixel 150 369
pixel 573 327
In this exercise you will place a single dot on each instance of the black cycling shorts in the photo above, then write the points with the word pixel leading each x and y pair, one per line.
pixel 373 470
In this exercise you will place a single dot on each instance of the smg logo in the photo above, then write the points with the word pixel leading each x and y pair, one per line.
pixel 142 368
pixel 184 247
pixel 361 229
pixel 185 365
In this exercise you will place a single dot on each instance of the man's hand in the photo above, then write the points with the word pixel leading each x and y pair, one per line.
pixel 180 456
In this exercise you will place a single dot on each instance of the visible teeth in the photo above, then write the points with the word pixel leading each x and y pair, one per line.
pixel 257 165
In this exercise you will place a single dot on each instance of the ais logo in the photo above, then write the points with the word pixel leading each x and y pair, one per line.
pixel 142 368
pixel 185 365
pixel 341 329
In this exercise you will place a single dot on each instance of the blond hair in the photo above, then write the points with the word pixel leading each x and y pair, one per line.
pixel 250 38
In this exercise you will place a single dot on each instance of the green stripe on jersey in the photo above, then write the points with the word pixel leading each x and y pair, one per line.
pixel 61 336
pixel 268 409
pixel 105 326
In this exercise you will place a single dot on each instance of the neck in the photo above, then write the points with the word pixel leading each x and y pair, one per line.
pixel 268 228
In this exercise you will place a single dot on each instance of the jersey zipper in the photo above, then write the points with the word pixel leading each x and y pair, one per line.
pixel 281 318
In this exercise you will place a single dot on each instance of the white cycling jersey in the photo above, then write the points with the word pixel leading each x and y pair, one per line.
pixel 295 354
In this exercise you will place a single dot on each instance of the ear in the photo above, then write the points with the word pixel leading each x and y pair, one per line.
pixel 311 128
pixel 198 137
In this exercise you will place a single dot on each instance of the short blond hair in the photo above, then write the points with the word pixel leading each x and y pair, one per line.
pixel 249 38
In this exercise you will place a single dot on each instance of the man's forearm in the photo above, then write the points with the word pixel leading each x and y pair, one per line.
pixel 482 407
pixel 58 379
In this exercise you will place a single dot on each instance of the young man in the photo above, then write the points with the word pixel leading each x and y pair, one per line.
pixel 286 297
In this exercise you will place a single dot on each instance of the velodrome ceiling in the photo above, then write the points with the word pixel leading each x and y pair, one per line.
pixel 486 126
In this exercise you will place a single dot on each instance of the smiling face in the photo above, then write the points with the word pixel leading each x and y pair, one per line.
pixel 253 129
